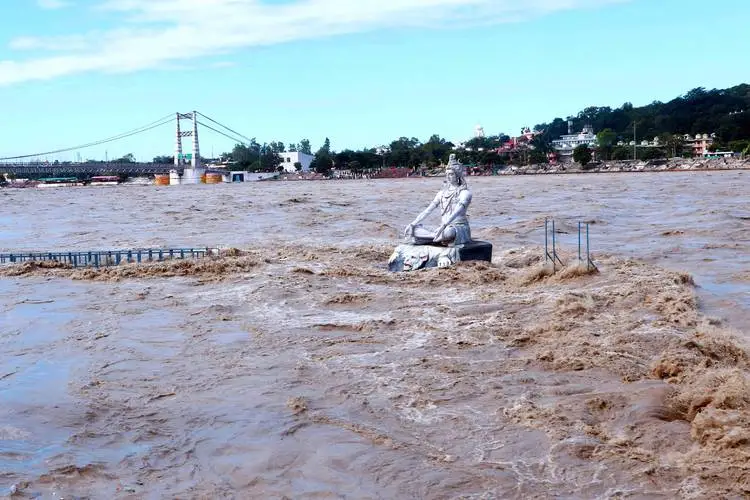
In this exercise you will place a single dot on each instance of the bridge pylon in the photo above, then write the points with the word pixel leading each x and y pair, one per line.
pixel 193 174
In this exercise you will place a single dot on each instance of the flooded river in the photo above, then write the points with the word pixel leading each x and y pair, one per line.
pixel 300 368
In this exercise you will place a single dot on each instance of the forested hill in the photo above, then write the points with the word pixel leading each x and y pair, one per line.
pixel 724 112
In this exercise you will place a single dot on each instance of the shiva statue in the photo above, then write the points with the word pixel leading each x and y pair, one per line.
pixel 453 200
pixel 451 242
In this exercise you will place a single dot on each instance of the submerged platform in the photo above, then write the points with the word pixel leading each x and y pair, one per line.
pixel 409 257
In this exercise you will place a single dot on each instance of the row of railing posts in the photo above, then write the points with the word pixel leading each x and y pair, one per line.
pixel 550 253
pixel 103 258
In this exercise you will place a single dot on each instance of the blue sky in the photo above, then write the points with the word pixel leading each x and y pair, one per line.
pixel 361 72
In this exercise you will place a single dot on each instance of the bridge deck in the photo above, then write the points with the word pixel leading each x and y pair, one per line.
pixel 86 169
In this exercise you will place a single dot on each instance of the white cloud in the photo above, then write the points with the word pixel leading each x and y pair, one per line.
pixel 52 4
pixel 160 32
pixel 58 44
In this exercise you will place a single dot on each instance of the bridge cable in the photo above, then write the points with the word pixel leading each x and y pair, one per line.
pixel 222 133
pixel 224 126
pixel 158 123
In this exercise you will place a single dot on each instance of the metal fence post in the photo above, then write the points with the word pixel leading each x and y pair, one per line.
pixel 546 235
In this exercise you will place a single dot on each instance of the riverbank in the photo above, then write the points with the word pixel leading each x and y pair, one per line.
pixel 670 165
pixel 626 166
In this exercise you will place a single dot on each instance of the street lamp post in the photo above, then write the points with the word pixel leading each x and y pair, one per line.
pixel 635 144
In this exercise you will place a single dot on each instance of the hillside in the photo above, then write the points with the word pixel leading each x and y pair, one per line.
pixel 725 112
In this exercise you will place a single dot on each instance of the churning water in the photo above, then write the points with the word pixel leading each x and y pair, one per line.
pixel 303 369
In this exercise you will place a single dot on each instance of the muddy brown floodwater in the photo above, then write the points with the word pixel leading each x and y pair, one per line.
pixel 296 366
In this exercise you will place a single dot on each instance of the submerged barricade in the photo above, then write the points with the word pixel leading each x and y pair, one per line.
pixel 104 258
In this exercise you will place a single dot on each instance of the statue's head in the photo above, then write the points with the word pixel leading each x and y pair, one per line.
pixel 454 171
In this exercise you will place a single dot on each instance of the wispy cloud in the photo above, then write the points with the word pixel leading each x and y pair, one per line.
pixel 159 32
pixel 52 4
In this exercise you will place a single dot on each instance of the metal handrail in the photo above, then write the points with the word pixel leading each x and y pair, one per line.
pixel 103 258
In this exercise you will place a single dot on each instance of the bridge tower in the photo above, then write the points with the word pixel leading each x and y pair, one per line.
pixel 193 174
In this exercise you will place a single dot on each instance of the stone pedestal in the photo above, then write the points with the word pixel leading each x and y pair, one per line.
pixel 408 257
pixel 476 250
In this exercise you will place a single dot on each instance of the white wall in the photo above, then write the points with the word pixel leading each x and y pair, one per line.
pixel 289 159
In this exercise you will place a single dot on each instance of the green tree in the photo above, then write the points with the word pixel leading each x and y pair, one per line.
pixel 436 150
pixel 605 141
pixel 128 158
pixel 551 131
pixel 322 164
pixel 245 156
pixel 326 147
pixel 270 161
pixel 368 159
pixel 297 166
pixel 405 152
pixel 304 147
pixel 536 157
pixel 652 153
pixel 292 147
pixel 542 143
pixel 582 155
pixel 675 144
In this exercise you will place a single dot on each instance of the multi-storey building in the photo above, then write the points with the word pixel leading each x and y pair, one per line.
pixel 566 144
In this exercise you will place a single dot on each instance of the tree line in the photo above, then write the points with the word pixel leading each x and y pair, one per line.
pixel 724 112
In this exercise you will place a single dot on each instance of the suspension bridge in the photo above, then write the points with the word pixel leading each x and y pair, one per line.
pixel 186 165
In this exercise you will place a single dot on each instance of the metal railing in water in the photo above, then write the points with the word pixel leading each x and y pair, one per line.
pixel 550 250
pixel 103 258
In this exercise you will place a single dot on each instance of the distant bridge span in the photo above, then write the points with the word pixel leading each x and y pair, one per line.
pixel 82 170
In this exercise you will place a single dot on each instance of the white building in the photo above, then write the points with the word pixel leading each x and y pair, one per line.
pixel 289 159
pixel 567 143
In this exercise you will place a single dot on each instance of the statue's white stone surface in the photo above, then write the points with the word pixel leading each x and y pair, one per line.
pixel 451 241
pixel 453 201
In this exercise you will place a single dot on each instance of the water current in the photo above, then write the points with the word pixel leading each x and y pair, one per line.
pixel 314 375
